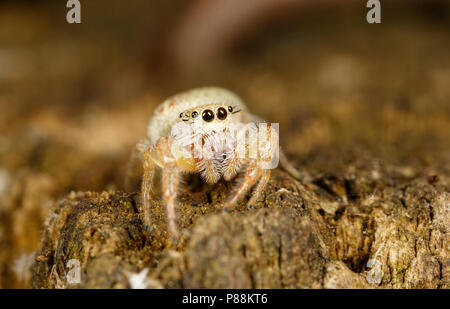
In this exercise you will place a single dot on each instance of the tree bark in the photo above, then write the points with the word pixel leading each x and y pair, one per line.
pixel 362 229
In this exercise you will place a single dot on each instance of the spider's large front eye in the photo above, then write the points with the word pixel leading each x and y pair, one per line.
pixel 194 114
pixel 221 113
pixel 208 115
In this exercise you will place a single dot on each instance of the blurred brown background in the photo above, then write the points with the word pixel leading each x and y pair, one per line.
pixel 74 98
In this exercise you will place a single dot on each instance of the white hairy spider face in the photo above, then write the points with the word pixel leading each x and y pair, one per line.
pixel 210 132
pixel 206 137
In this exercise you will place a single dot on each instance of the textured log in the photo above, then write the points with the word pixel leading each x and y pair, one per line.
pixel 332 233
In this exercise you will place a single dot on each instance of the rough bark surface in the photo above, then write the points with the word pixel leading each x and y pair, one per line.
pixel 348 231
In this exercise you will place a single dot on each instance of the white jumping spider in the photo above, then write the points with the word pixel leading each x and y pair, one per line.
pixel 216 119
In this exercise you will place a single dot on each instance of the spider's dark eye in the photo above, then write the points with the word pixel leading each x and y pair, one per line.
pixel 230 109
pixel 181 115
pixel 208 115
pixel 221 113
pixel 194 114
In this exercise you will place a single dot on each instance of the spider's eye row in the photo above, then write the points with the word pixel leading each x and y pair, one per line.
pixel 230 109
pixel 221 113
pixel 194 114
pixel 208 115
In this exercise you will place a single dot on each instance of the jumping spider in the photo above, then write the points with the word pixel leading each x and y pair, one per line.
pixel 213 115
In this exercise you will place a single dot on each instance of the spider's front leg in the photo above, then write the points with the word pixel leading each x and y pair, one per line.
pixel 162 155
pixel 252 174
pixel 148 163
pixel 258 169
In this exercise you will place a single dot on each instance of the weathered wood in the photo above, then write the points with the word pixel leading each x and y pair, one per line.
pixel 347 231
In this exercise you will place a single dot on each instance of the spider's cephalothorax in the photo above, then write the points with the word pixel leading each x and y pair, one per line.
pixel 207 131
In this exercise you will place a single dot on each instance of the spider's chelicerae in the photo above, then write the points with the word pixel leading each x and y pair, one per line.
pixel 207 131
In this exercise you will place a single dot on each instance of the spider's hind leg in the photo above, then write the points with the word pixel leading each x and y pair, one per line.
pixel 288 167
